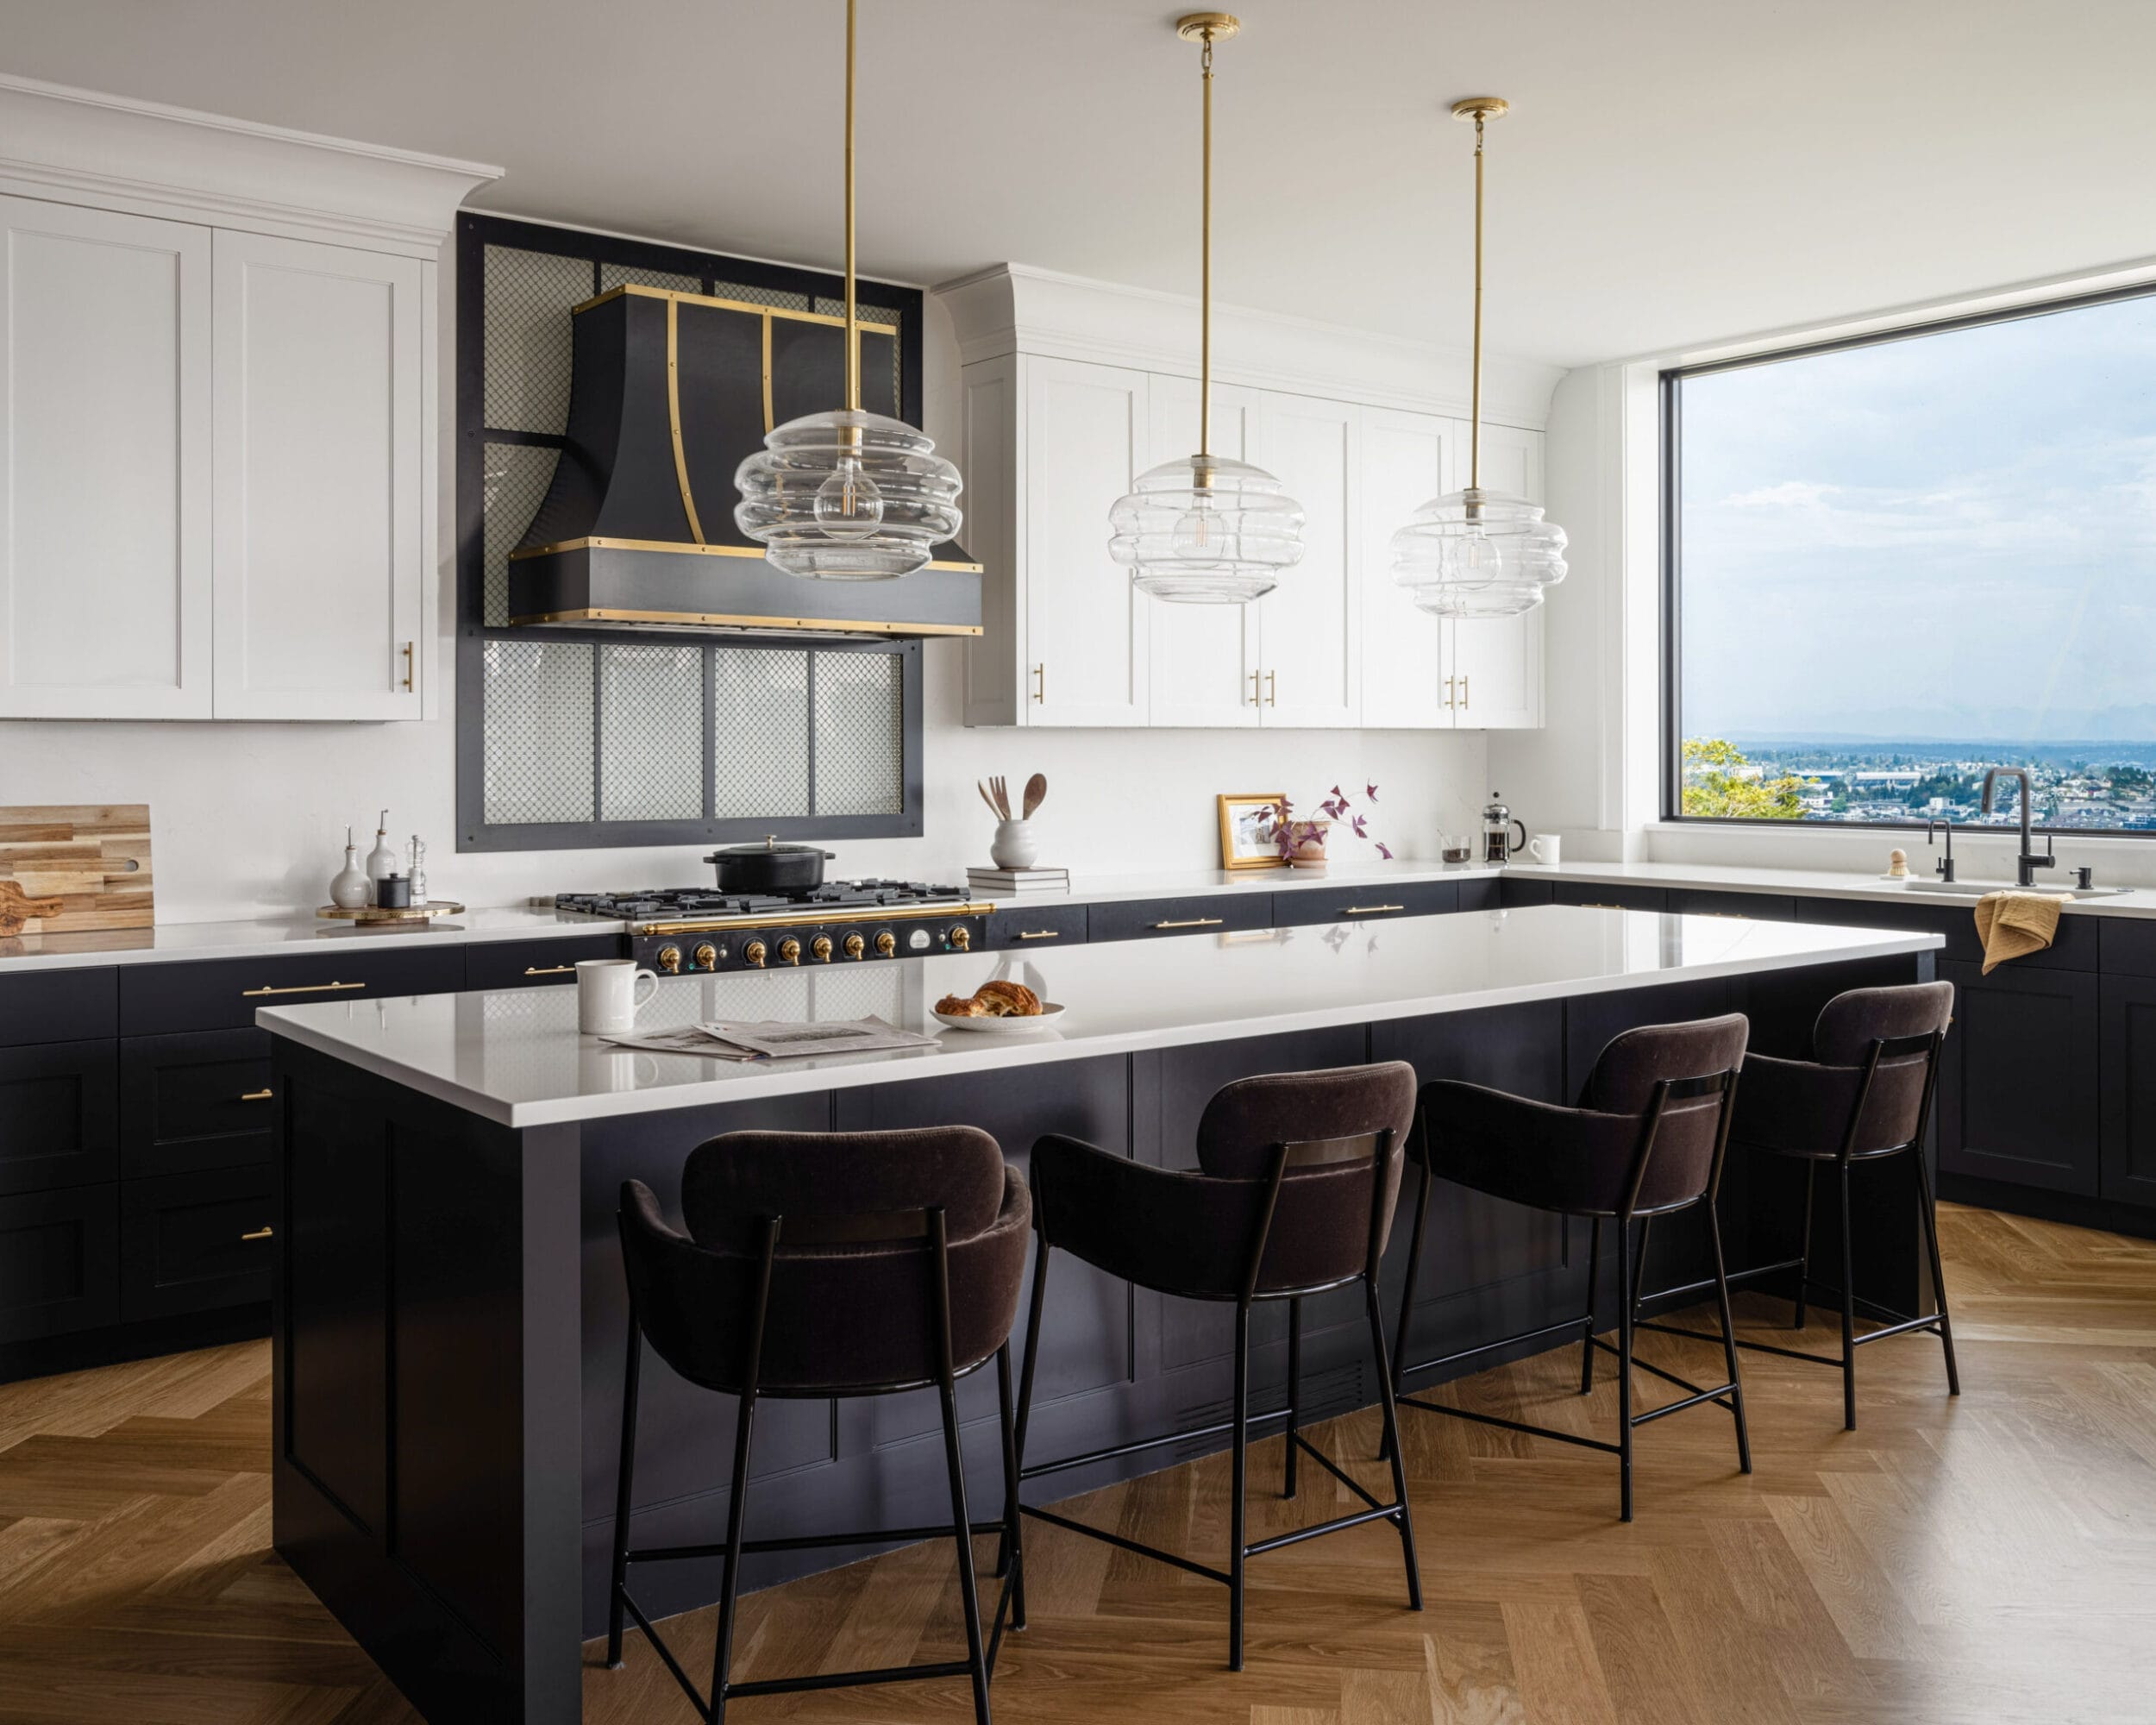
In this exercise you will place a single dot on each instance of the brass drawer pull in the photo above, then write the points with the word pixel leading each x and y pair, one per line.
pixel 1041 934
pixel 259 1234
pixel 1596 905
pixel 1370 910
pixel 261 1095
pixel 1192 922
pixel 298 988
pixel 549 970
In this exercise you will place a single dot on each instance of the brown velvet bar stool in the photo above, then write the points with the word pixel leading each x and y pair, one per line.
pixel 1866 1095
pixel 1648 1139
pixel 1297 1176
pixel 821 1265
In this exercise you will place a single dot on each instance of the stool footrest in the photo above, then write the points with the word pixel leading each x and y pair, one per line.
pixel 1134 1546
pixel 1402 1373
pixel 1116 1452
pixel 1512 1424
pixel 1383 1512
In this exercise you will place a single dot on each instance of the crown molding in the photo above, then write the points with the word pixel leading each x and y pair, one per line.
pixel 81 146
pixel 1018 309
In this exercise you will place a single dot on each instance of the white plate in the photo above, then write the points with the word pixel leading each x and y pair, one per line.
pixel 1049 1013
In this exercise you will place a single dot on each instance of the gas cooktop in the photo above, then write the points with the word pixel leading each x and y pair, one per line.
pixel 685 904
pixel 683 929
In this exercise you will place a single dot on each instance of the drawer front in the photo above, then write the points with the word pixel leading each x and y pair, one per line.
pixel 194 1242
pixel 1513 892
pixel 1611 894
pixel 58 1006
pixel 193 1101
pixel 1044 926
pixel 1485 893
pixel 159 998
pixel 2126 946
pixel 1150 919
pixel 1758 907
pixel 59 1262
pixel 1364 903
pixel 535 963
pixel 58 1123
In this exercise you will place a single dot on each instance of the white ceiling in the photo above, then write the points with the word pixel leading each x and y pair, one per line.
pixel 1673 171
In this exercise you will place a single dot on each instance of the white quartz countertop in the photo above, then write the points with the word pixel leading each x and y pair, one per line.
pixel 179 942
pixel 1822 883
pixel 514 1056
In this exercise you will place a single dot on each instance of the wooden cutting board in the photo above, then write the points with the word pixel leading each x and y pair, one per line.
pixel 68 869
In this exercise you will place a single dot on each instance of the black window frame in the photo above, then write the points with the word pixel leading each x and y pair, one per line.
pixel 474 233
pixel 1670 433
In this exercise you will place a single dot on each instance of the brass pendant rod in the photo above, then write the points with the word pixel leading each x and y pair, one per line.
pixel 1205 265
pixel 1474 421
pixel 853 337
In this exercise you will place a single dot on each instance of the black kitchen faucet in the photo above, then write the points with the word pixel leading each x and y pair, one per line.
pixel 2029 861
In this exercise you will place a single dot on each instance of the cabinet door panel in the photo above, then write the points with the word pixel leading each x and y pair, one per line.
pixel 58 1262
pixel 1311 625
pixel 321 432
pixel 195 1102
pixel 2018 1090
pixel 195 1242
pixel 58 1126
pixel 1407 461
pixel 1204 658
pixel 1086 628
pixel 104 464
pixel 2128 1062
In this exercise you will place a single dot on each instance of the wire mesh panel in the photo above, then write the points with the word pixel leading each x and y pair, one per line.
pixel 760 733
pixel 528 295
pixel 538 731
pixel 514 484
pixel 614 275
pixel 859 734
pixel 651 731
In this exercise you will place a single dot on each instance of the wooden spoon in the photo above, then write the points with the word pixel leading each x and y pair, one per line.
pixel 1036 790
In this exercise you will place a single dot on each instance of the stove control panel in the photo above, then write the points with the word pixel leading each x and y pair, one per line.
pixel 779 945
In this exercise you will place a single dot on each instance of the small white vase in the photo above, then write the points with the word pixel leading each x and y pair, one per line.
pixel 1015 845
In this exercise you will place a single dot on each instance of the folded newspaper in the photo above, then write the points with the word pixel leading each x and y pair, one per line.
pixel 777 1039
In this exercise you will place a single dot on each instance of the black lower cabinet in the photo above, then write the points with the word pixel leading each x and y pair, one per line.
pixel 2127 1168
pixel 58 1262
pixel 1610 895
pixel 1363 903
pixel 199 1101
pixel 195 1242
pixel 533 963
pixel 1018 927
pixel 1756 906
pixel 1153 918
pixel 2019 1077
pixel 58 1123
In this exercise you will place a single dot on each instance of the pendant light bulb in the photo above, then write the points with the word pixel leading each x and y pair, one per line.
pixel 847 504
pixel 1478 553
pixel 1206 530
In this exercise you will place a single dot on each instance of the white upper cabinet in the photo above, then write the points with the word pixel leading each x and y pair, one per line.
pixel 1205 657
pixel 1407 461
pixel 104 464
pixel 1493 666
pixel 320 428
pixel 1311 625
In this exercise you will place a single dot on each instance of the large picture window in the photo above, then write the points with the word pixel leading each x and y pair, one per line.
pixel 1895 563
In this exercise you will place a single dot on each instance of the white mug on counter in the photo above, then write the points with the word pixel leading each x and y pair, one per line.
pixel 1543 847
pixel 607 996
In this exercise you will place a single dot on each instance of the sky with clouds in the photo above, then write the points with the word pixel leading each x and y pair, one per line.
pixel 1950 537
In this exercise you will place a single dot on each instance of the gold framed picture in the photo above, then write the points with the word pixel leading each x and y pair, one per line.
pixel 1246 831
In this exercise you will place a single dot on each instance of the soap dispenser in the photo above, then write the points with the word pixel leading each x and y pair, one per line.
pixel 348 888
pixel 381 862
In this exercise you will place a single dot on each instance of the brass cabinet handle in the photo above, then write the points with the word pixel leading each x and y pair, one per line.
pixel 1040 688
pixel 261 1095
pixel 1370 910
pixel 408 668
pixel 259 1234
pixel 1463 696
pixel 1272 689
pixel 1191 922
pixel 549 970
pixel 1041 934
pixel 1449 682
pixel 1596 905
pixel 298 988
pixel 1255 678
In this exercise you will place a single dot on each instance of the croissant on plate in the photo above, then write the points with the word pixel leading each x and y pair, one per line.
pixel 992 1001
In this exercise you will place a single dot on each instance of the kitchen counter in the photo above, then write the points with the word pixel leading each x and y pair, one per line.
pixel 1820 884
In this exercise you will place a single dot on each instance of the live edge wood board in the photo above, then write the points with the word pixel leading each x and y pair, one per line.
pixel 65 870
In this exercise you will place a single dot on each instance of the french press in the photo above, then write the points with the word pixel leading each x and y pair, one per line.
pixel 1498 843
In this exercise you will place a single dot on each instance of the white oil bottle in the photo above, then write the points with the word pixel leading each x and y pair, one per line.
pixel 381 862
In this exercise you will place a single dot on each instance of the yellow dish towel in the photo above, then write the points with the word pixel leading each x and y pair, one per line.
pixel 2015 925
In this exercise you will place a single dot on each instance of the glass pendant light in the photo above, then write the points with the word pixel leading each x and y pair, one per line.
pixel 1206 529
pixel 848 495
pixel 1477 553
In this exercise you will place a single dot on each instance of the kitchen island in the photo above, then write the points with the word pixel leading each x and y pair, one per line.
pixel 450 1316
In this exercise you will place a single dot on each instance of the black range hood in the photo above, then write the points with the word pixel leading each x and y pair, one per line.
pixel 669 393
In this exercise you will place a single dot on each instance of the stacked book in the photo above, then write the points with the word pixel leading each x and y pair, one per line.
pixel 1019 879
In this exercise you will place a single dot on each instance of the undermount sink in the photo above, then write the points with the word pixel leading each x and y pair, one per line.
pixel 1977 889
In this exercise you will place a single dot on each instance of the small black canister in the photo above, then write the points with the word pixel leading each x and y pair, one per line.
pixel 393 892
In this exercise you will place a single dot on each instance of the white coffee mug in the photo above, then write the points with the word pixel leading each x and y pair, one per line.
pixel 1543 847
pixel 607 996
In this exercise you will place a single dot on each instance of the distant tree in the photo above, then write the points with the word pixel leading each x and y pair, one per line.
pixel 2131 779
pixel 1713 785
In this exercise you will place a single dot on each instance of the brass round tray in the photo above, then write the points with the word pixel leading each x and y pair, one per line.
pixel 370 913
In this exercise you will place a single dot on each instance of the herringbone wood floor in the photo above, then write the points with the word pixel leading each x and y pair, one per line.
pixel 1992 1559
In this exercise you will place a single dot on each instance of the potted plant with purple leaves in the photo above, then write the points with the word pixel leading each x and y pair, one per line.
pixel 1301 843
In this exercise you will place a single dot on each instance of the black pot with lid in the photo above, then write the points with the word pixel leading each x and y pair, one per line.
pixel 769 867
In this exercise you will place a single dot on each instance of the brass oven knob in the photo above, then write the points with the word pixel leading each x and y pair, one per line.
pixel 754 953
pixel 962 939
pixel 705 958
pixel 790 949
pixel 670 960
pixel 821 948
pixel 856 946
pixel 886 943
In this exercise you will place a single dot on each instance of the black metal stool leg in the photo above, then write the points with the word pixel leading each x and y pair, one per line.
pixel 1010 1549
pixel 1929 1208
pixel 1025 1373
pixel 1408 1292
pixel 1640 1265
pixel 1594 1276
pixel 629 1370
pixel 1729 1340
pixel 737 1510
pixel 1294 1390
pixel 1804 1252
pixel 969 1598
pixel 1848 1312
pixel 1391 1416
pixel 1624 1368
pixel 1237 1535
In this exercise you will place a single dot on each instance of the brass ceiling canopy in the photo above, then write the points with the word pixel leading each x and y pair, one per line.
pixel 1207 26
pixel 1481 108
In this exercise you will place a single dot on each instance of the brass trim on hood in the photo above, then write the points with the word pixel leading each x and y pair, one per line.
pixel 714 619
pixel 720 303
pixel 604 544
pixel 674 418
